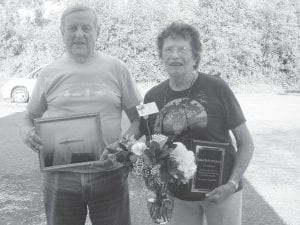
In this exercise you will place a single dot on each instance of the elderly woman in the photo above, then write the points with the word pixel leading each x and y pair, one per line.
pixel 196 106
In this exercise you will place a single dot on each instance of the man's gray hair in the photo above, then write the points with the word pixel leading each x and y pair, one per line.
pixel 78 8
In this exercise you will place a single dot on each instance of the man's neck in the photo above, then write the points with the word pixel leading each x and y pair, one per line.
pixel 83 59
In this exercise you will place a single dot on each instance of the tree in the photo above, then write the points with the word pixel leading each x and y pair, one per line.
pixel 243 42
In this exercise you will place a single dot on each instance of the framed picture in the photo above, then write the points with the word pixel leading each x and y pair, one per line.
pixel 69 141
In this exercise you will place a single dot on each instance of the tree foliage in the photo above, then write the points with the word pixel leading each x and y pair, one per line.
pixel 241 41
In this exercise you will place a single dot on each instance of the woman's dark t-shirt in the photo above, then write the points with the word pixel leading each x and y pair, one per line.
pixel 207 111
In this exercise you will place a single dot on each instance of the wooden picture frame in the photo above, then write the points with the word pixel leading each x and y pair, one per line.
pixel 69 141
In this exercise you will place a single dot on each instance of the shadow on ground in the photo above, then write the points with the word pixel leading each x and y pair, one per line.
pixel 256 211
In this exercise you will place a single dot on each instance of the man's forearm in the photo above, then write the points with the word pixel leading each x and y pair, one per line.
pixel 26 125
pixel 133 129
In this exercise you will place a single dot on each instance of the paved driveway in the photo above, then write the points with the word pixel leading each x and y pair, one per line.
pixel 272 184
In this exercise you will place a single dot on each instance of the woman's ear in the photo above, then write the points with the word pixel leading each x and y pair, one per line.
pixel 197 62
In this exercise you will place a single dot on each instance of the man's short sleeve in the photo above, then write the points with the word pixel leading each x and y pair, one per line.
pixel 37 103
pixel 130 94
pixel 234 115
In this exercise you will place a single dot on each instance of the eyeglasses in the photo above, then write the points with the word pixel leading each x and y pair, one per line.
pixel 181 51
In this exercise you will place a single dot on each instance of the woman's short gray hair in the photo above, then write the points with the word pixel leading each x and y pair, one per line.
pixel 181 30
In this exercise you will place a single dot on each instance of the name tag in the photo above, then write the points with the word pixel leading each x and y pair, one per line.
pixel 147 109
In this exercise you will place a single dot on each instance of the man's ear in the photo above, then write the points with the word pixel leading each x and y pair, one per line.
pixel 98 31
pixel 62 31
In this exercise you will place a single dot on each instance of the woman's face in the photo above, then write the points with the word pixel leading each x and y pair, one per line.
pixel 177 57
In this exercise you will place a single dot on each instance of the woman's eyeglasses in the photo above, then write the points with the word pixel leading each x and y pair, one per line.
pixel 182 51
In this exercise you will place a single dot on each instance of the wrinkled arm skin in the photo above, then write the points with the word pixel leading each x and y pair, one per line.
pixel 134 123
pixel 28 135
pixel 245 149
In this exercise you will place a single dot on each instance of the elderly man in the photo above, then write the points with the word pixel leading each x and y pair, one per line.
pixel 81 82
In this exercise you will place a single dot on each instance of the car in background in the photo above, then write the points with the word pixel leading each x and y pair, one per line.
pixel 19 89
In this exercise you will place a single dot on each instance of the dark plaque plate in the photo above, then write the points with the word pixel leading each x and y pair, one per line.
pixel 209 159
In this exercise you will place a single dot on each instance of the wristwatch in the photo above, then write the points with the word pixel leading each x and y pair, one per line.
pixel 235 184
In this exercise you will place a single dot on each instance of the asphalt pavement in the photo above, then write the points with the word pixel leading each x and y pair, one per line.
pixel 272 184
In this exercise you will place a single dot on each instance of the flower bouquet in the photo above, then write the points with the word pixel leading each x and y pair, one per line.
pixel 157 162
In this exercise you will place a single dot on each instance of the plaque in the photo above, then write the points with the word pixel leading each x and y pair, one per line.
pixel 209 159
pixel 69 141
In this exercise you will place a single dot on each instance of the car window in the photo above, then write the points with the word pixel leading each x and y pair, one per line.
pixel 35 74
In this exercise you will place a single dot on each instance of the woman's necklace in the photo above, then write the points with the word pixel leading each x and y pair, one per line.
pixel 189 89
pixel 178 124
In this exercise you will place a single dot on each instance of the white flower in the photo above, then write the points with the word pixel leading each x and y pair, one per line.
pixel 160 139
pixel 138 148
pixel 184 159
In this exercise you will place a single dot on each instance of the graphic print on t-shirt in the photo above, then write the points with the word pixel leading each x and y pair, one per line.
pixel 83 90
pixel 180 114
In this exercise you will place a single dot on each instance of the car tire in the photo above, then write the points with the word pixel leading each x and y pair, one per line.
pixel 20 95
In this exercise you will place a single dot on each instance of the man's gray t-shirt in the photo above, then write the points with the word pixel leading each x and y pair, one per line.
pixel 103 85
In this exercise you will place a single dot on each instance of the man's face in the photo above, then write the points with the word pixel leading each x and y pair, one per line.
pixel 79 34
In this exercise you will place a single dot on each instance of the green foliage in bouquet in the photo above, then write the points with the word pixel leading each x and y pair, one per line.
pixel 157 161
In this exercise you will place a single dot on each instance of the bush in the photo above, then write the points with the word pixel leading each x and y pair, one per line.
pixel 244 44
